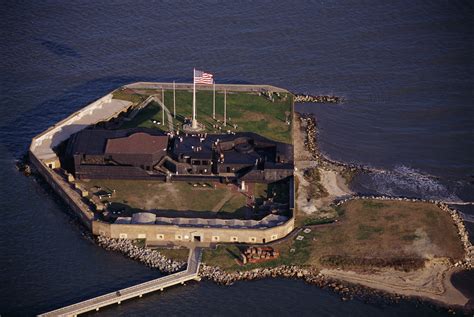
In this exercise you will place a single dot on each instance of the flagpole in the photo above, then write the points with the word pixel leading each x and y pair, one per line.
pixel 214 101
pixel 174 99
pixel 225 107
pixel 163 101
pixel 194 123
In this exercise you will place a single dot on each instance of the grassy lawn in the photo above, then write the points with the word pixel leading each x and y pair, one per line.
pixel 368 234
pixel 225 256
pixel 126 95
pixel 177 196
pixel 234 204
pixel 250 112
pixel 144 118
pixel 180 254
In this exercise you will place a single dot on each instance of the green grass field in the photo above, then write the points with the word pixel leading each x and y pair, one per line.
pixel 250 112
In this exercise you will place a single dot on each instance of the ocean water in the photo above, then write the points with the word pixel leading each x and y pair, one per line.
pixel 404 68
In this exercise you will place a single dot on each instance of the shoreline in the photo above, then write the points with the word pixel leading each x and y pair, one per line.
pixel 347 287
pixel 337 281
pixel 338 192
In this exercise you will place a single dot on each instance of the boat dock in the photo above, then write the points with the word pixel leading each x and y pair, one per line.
pixel 191 273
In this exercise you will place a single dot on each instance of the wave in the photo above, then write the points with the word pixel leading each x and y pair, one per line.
pixel 407 181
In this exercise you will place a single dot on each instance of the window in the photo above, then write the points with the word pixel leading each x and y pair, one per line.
pixel 234 239
pixel 274 237
pixel 123 236
pixel 205 162
pixel 160 236
pixel 252 239
pixel 178 237
pixel 215 238
pixel 196 162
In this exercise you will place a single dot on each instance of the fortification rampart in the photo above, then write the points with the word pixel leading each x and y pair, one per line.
pixel 218 87
pixel 173 233
pixel 45 160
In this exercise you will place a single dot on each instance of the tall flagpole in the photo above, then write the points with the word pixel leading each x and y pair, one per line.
pixel 174 99
pixel 214 100
pixel 225 107
pixel 194 123
pixel 163 101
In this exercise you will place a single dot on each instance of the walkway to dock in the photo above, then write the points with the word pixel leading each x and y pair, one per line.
pixel 191 273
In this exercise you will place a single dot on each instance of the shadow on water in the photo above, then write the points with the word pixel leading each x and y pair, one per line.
pixel 59 49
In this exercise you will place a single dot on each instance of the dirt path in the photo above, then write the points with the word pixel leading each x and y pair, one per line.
pixel 299 137
pixel 222 202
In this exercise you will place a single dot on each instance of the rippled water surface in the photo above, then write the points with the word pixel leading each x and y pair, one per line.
pixel 404 68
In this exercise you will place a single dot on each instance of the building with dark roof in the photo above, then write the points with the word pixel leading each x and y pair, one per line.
pixel 144 153
pixel 115 153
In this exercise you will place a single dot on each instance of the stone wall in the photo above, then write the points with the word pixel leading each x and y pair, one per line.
pixel 64 190
pixel 172 233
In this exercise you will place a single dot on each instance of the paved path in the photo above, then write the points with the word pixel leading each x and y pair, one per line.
pixel 222 202
pixel 191 273
pixel 168 113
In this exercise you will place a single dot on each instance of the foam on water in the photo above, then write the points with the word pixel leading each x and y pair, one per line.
pixel 407 181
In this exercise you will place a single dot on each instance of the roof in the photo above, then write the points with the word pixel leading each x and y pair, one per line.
pixel 94 141
pixel 194 146
pixel 137 143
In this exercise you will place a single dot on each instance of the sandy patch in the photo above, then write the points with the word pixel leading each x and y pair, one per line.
pixel 432 282
pixel 334 184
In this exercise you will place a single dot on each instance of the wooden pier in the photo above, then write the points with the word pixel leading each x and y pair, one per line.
pixel 191 273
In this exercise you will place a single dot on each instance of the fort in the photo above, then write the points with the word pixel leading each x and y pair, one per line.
pixel 108 140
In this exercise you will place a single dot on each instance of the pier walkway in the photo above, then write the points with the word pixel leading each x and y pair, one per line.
pixel 191 273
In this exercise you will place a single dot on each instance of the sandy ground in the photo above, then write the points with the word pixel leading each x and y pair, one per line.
pixel 334 183
pixel 431 282
pixel 331 180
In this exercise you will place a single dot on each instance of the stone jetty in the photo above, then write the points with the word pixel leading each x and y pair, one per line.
pixel 317 99
pixel 347 291
pixel 144 255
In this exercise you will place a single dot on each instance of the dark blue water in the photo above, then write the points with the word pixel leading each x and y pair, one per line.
pixel 405 69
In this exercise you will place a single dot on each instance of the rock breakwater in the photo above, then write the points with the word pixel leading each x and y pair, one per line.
pixel 347 291
pixel 311 132
pixel 317 99
pixel 144 255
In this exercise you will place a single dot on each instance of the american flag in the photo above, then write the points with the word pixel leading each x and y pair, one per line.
pixel 201 77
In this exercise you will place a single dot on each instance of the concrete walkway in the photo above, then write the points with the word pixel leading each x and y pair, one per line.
pixel 191 273
pixel 168 113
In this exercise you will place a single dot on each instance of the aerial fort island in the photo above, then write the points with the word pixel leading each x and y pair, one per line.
pixel 226 182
